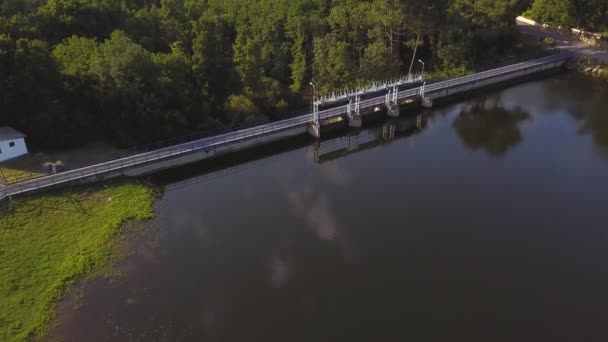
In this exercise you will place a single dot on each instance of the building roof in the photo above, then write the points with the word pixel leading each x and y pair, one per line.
pixel 8 133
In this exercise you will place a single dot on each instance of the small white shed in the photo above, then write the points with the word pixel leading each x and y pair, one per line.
pixel 12 143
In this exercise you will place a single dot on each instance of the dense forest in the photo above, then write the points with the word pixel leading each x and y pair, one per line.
pixel 591 15
pixel 132 71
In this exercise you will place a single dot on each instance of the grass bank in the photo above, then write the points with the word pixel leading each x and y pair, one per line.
pixel 10 176
pixel 48 242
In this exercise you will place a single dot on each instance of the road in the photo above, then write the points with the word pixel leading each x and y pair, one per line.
pixel 564 41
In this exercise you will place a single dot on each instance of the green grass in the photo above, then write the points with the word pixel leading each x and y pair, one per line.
pixel 50 241
pixel 11 176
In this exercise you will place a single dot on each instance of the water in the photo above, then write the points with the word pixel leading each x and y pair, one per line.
pixel 482 221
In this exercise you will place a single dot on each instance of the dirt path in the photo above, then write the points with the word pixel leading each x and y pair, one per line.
pixel 564 41
pixel 31 164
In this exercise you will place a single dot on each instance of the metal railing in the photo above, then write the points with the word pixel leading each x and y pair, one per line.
pixel 141 159
pixel 372 87
pixel 210 142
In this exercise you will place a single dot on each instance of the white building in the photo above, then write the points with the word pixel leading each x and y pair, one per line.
pixel 12 143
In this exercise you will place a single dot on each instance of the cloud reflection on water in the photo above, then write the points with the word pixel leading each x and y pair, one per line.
pixel 316 210
pixel 280 271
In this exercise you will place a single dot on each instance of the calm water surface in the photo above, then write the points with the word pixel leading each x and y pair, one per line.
pixel 485 220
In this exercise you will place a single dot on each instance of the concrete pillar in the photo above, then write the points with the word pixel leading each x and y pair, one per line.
pixel 354 115
pixel 393 110
pixel 315 130
pixel 427 102
pixel 355 121
pixel 392 103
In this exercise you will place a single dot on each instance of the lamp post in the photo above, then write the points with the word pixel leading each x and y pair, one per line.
pixel 314 105
pixel 421 62
pixel 423 78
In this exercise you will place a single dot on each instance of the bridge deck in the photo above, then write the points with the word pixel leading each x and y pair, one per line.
pixel 214 142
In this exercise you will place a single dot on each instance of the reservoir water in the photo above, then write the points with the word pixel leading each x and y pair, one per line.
pixel 484 220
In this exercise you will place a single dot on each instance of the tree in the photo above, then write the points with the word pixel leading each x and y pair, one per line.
pixel 333 65
pixel 146 27
pixel 390 15
pixel 213 60
pixel 12 7
pixel 377 62
pixel 240 108
pixel 90 18
pixel 127 77
pixel 136 70
pixel 555 12
pixel 123 65
pixel 177 87
pixel 262 54
pixel 75 56
pixel 304 23
pixel 31 90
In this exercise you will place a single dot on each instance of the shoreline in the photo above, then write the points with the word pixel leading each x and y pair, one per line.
pixel 134 246
pixel 591 68
pixel 51 241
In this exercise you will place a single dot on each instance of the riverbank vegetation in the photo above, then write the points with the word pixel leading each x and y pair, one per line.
pixel 590 15
pixel 133 71
pixel 47 242
pixel 593 68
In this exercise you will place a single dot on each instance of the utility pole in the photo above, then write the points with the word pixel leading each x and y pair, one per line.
pixel 414 56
